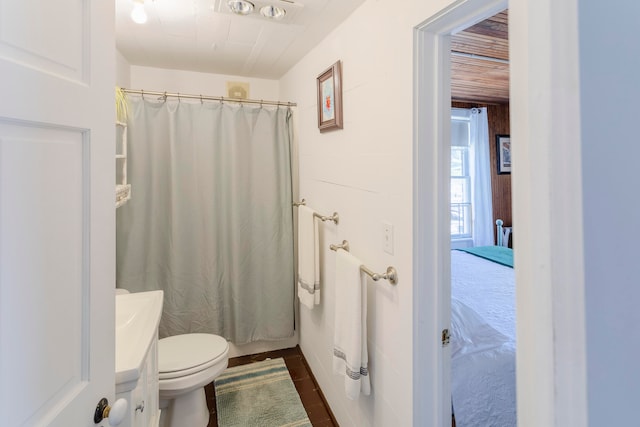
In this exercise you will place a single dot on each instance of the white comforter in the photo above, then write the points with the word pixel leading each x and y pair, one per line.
pixel 482 342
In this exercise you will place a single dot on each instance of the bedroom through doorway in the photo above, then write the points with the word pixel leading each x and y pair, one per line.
pixel 482 333
pixel 433 216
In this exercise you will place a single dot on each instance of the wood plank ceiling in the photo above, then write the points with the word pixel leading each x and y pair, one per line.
pixel 479 62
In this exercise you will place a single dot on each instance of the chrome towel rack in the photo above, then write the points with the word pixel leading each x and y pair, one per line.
pixel 391 275
pixel 335 217
pixel 344 245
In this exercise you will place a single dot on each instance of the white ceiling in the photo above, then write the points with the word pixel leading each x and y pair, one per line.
pixel 203 35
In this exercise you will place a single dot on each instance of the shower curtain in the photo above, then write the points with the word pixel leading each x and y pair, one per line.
pixel 210 219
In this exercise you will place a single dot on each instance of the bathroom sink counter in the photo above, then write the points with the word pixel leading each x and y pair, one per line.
pixel 137 319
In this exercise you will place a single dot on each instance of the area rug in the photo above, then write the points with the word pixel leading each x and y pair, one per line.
pixel 259 394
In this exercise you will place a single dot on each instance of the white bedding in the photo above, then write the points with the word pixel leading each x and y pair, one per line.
pixel 482 342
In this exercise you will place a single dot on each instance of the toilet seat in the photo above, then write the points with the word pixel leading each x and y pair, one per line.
pixel 184 355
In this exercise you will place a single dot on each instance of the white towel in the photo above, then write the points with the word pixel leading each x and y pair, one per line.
pixel 350 356
pixel 308 258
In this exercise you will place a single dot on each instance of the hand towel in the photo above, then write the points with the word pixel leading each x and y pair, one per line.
pixel 308 258
pixel 350 357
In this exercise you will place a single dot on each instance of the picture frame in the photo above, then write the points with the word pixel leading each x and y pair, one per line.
pixel 329 85
pixel 503 154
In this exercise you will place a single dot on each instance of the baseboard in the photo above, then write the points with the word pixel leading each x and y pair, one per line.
pixel 313 378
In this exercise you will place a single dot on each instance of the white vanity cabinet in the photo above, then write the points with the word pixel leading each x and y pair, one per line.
pixel 143 410
pixel 137 318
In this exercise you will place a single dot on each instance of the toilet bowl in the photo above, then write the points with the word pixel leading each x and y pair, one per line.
pixel 186 363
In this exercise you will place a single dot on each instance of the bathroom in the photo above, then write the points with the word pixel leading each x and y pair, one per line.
pixel 57 217
pixel 360 171
pixel 355 171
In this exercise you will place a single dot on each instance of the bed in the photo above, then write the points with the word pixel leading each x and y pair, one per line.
pixel 483 337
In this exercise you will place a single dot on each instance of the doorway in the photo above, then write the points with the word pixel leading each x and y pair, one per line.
pixel 547 197
pixel 432 118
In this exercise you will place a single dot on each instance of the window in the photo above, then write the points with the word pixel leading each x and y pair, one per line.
pixel 461 207
pixel 471 201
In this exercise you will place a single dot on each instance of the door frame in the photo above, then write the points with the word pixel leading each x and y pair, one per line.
pixel 547 209
pixel 431 181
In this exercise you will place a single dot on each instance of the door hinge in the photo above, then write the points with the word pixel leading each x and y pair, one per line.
pixel 445 337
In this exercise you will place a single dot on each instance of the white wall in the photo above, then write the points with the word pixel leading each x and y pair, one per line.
pixel 575 152
pixel 364 172
pixel 609 90
pixel 123 71
pixel 195 83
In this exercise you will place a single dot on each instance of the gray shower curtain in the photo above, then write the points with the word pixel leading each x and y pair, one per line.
pixel 210 219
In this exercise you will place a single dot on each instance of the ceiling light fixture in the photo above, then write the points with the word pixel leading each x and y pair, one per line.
pixel 138 13
pixel 241 7
pixel 273 12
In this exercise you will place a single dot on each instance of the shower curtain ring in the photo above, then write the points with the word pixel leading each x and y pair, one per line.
pixel 201 101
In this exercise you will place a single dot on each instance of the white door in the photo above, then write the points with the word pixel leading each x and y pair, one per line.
pixel 57 77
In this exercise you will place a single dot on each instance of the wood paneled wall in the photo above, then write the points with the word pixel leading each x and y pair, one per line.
pixel 498 118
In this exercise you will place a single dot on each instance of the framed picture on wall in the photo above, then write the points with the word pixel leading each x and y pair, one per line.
pixel 330 98
pixel 503 153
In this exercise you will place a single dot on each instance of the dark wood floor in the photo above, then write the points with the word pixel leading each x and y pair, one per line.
pixel 312 399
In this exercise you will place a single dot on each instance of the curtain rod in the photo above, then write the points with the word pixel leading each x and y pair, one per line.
pixel 165 95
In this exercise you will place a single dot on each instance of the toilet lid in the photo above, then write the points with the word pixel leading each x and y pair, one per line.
pixel 184 352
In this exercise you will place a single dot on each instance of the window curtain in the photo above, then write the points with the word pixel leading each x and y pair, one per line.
pixel 210 219
pixel 482 201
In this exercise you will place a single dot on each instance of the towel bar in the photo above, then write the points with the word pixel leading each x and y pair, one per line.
pixel 344 245
pixel 391 275
pixel 335 217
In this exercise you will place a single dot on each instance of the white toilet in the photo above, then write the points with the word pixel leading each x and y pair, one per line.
pixel 186 364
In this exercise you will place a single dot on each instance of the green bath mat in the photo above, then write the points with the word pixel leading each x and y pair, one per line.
pixel 259 394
